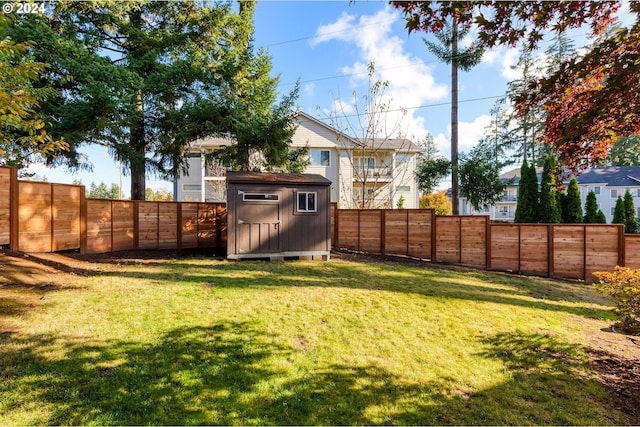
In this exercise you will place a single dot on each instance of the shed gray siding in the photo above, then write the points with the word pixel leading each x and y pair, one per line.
pixel 264 220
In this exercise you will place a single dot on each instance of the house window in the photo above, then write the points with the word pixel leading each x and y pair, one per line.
pixel 614 194
pixel 253 197
pixel 191 187
pixel 402 158
pixel 612 209
pixel 368 162
pixel 638 192
pixel 403 188
pixel 320 157
pixel 596 190
pixel 307 201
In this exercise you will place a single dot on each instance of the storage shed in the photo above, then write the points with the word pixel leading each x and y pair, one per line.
pixel 278 215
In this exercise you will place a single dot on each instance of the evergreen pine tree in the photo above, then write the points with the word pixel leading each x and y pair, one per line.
pixel 630 220
pixel 549 211
pixel 527 207
pixel 618 212
pixel 591 209
pixel 601 218
pixel 573 203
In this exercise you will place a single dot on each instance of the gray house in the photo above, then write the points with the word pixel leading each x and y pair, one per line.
pixel 607 183
pixel 278 215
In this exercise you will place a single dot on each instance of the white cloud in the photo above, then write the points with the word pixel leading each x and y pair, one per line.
pixel 309 89
pixel 469 134
pixel 411 82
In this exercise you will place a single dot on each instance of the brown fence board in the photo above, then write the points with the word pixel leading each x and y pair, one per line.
pixel 349 231
pixel 34 217
pixel 66 202
pixel 370 231
pixel 189 225
pixel 632 250
pixel 473 241
pixel 534 249
pixel 207 225
pixel 123 215
pixel 419 232
pixel 99 223
pixel 396 232
pixel 601 249
pixel 148 220
pixel 569 251
pixel 168 226
pixel 448 239
pixel 505 245
pixel 5 205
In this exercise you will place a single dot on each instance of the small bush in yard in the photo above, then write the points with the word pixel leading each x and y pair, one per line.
pixel 623 285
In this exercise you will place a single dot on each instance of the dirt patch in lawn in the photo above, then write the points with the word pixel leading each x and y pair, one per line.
pixel 26 279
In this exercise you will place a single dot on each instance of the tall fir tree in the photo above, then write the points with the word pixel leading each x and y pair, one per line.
pixel 591 209
pixel 619 215
pixel 528 196
pixel 573 204
pixel 630 219
pixel 549 211
pixel 147 78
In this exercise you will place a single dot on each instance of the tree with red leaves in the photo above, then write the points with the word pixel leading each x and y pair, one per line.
pixel 590 100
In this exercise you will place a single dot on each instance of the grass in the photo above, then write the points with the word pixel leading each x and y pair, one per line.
pixel 202 341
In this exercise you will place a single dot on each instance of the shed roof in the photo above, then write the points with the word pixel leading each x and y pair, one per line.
pixel 276 178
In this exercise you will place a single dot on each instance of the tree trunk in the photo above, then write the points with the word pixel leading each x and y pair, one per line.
pixel 455 204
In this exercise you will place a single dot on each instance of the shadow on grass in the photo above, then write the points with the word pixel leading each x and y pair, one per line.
pixel 233 374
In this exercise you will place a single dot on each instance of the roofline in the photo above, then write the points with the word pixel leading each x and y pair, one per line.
pixel 325 125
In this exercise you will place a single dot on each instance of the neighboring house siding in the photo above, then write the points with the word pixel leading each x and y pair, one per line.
pixel 392 178
pixel 190 187
pixel 607 183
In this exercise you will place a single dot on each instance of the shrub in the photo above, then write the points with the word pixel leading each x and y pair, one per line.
pixel 623 285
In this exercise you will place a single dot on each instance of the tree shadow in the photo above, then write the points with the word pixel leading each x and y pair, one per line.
pixel 232 374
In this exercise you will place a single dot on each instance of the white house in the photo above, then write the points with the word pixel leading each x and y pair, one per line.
pixel 607 183
pixel 374 173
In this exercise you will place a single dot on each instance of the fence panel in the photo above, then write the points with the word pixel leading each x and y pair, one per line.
pixel 148 225
pixel 34 217
pixel 534 249
pixel 99 226
pixel 66 209
pixel 473 241
pixel 348 229
pixel 207 225
pixel 602 248
pixel 568 251
pixel 167 225
pixel 419 230
pixel 123 225
pixel 5 205
pixel 505 247
pixel 370 231
pixel 189 225
pixel 396 231
pixel 632 250
pixel 448 239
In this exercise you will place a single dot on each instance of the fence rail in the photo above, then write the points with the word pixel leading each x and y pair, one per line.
pixel 44 217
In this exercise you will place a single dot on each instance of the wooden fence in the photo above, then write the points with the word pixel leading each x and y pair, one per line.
pixel 571 251
pixel 44 217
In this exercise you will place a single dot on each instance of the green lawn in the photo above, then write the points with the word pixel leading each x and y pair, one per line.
pixel 203 341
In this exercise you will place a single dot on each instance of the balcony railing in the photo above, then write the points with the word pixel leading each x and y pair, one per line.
pixel 373 174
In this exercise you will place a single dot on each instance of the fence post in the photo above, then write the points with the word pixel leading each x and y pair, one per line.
pixel 383 230
pixel 83 220
pixel 550 255
pixel 487 234
pixel 14 204
pixel 622 246
pixel 433 235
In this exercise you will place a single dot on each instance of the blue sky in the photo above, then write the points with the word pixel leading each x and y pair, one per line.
pixel 327 46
